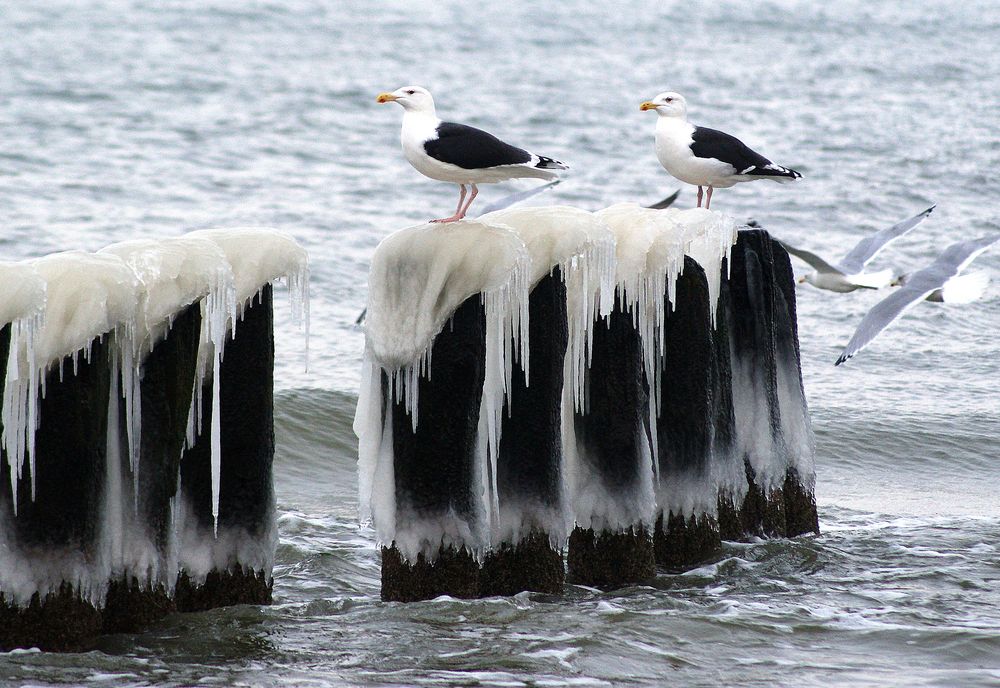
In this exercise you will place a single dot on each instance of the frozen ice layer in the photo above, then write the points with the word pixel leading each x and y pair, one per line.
pixel 23 292
pixel 175 273
pixel 563 237
pixel 420 275
pixel 260 256
pixel 22 313
pixel 651 245
pixel 86 297
pixel 583 248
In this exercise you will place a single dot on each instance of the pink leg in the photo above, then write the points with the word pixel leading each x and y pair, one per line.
pixel 472 197
pixel 699 196
pixel 458 211
pixel 708 201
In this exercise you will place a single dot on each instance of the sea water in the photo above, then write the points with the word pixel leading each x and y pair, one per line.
pixel 126 120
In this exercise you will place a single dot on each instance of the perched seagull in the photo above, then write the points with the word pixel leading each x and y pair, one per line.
pixel 706 157
pixel 940 277
pixel 849 274
pixel 458 153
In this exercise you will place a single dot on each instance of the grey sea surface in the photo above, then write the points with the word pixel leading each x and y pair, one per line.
pixel 122 119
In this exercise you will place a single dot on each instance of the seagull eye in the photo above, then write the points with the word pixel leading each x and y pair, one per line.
pixel 409 91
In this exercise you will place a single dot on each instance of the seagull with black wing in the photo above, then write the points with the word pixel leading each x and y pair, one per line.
pixel 458 153
pixel 706 157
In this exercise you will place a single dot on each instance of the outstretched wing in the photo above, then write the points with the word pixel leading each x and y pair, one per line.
pixel 517 197
pixel 881 316
pixel 918 287
pixel 817 263
pixel 859 256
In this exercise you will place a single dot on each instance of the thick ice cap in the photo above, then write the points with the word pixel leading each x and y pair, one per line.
pixel 634 235
pixel 88 294
pixel 257 255
pixel 553 235
pixel 420 275
pixel 23 291
pixel 174 273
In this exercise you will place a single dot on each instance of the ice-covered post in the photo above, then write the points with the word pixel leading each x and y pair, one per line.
pixel 773 431
pixel 608 454
pixel 445 308
pixel 227 527
pixel 675 283
pixel 104 355
pixel 185 285
pixel 60 397
pixel 570 251
pixel 687 529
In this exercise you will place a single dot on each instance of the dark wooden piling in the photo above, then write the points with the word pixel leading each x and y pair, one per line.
pixel 70 458
pixel 435 466
pixel 612 439
pixel 529 465
pixel 684 428
pixel 246 496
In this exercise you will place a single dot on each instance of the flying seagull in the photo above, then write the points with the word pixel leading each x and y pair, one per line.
pixel 849 274
pixel 458 153
pixel 706 157
pixel 939 276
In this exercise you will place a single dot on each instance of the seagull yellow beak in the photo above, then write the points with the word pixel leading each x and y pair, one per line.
pixel 385 98
pixel 648 105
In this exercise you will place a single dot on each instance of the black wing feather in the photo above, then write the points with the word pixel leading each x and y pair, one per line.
pixel 711 143
pixel 472 149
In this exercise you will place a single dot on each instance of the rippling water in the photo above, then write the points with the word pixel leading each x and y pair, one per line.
pixel 128 119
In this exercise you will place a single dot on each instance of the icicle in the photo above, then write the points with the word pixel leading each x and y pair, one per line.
pixel 216 442
pixel 112 523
